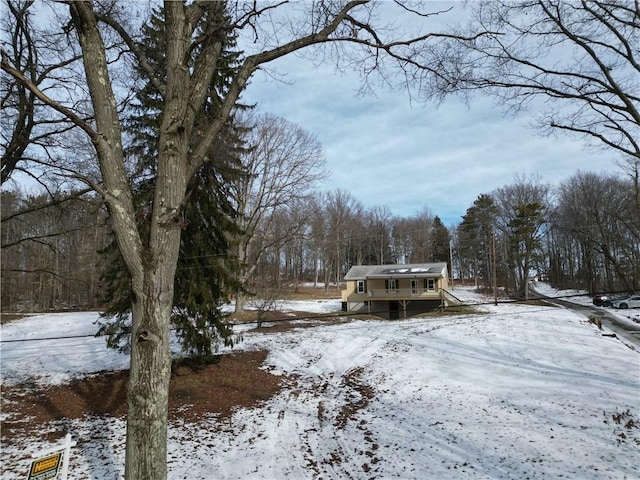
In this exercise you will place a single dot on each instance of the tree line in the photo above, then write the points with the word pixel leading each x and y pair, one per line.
pixel 49 252
pixel 312 237
pixel 580 234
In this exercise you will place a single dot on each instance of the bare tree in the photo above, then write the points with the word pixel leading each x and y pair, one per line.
pixel 344 235
pixel 194 32
pixel 378 228
pixel 316 235
pixel 411 238
pixel 581 56
pixel 298 258
pixel 597 223
pixel 577 62
pixel 281 167
pixel 17 103
pixel 33 133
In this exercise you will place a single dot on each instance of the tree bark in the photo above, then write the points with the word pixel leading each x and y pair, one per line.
pixel 146 447
pixel 148 393
pixel 152 268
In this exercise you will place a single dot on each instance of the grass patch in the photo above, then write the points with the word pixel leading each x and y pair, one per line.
pixel 595 320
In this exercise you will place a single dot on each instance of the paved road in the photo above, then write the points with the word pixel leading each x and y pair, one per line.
pixel 627 332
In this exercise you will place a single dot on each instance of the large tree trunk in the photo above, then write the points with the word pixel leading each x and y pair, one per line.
pixel 151 316
pixel 150 373
pixel 151 268
pixel 148 394
pixel 241 299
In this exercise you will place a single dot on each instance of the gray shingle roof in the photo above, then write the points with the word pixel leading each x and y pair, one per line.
pixel 410 270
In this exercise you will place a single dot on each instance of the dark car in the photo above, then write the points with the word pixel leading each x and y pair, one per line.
pixel 602 300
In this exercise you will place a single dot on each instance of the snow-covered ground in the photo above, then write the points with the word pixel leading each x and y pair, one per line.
pixel 511 392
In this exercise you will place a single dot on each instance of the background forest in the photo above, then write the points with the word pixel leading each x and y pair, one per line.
pixel 582 234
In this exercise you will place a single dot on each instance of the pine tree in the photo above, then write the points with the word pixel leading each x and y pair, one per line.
pixel 475 236
pixel 440 243
pixel 202 281
pixel 524 241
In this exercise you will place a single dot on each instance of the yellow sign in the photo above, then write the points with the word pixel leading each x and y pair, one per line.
pixel 45 468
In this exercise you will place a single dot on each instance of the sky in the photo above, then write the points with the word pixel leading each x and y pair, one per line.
pixel 389 151
pixel 386 150
pixel 512 391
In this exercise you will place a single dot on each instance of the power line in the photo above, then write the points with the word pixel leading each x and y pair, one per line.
pixel 39 339
pixel 320 317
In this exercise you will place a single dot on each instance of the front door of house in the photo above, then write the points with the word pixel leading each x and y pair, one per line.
pixel 414 287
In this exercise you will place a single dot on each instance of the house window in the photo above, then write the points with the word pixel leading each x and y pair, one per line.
pixel 430 284
pixel 392 284
pixel 361 286
pixel 414 287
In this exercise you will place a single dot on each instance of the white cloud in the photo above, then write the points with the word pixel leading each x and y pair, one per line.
pixel 387 151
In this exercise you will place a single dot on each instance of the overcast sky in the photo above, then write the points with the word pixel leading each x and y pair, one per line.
pixel 387 151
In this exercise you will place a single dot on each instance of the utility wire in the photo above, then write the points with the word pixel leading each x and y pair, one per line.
pixel 320 317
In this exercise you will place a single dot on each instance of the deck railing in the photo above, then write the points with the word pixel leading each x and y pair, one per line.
pixel 403 293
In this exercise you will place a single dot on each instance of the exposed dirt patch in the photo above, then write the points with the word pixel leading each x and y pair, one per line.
pixel 362 395
pixel 279 316
pixel 10 317
pixel 305 293
pixel 236 380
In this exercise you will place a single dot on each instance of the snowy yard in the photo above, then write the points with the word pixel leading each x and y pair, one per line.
pixel 512 392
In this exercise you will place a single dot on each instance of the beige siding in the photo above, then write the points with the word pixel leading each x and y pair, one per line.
pixel 376 290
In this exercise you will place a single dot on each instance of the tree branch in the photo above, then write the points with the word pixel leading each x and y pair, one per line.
pixel 143 63
pixel 4 64
pixel 52 203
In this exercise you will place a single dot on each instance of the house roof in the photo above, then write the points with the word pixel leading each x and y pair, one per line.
pixel 410 270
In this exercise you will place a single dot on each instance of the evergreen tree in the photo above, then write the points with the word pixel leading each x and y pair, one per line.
pixel 440 241
pixel 202 281
pixel 475 236
pixel 524 241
